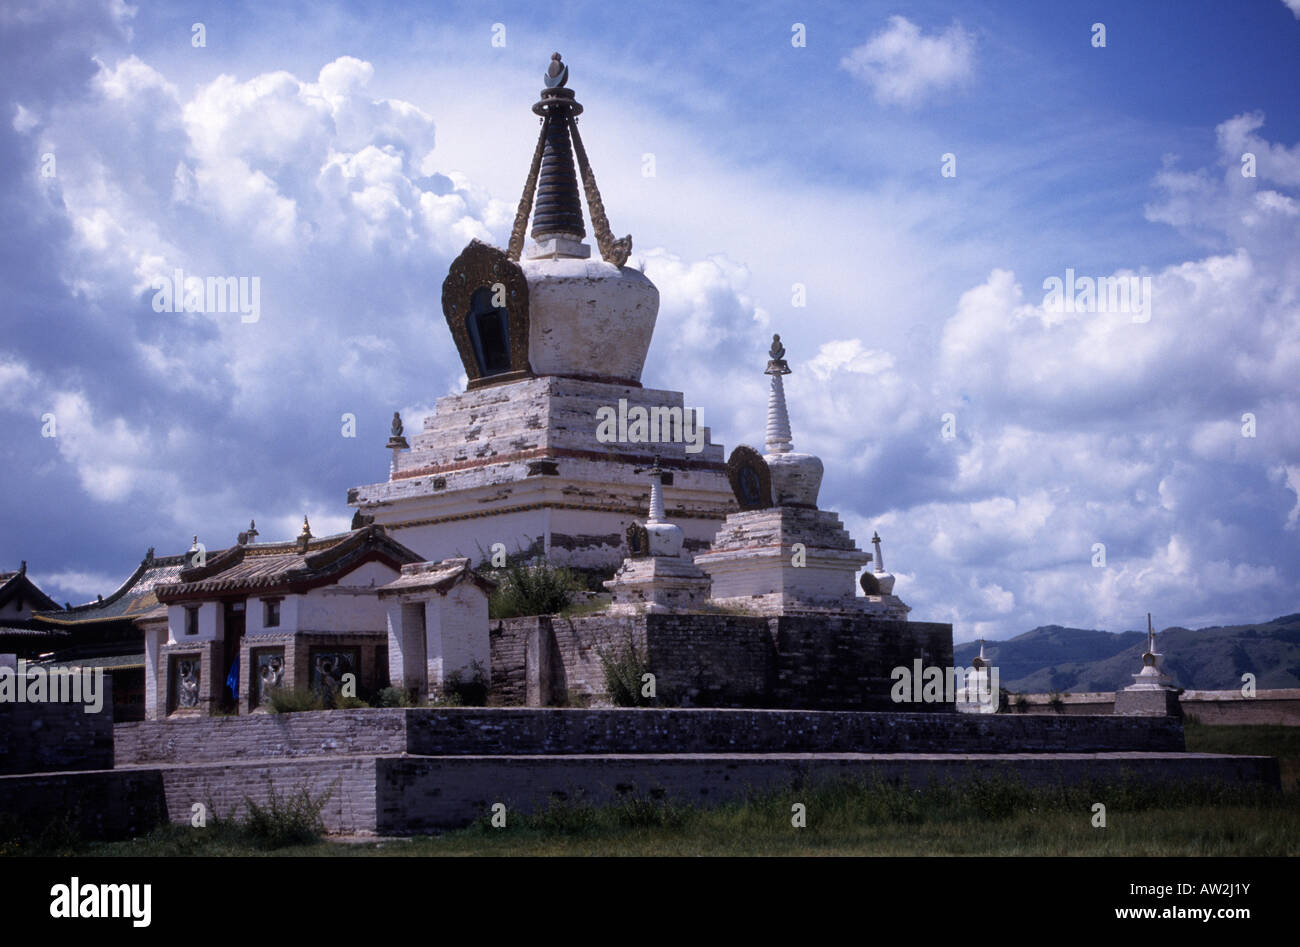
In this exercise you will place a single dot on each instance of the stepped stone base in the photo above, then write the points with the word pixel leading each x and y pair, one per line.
pixel 403 771
pixel 1148 702
pixel 397 795
pixel 658 584
pixel 790 560
pixel 520 464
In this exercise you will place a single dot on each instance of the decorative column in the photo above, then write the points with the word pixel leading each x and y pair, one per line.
pixel 396 444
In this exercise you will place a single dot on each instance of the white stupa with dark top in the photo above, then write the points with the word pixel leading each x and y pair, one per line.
pixel 549 335
pixel 783 555
pixel 656 577
pixel 1151 694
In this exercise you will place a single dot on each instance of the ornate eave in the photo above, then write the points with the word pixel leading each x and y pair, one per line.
pixel 479 265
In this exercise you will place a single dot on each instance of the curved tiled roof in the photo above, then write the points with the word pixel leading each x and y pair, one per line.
pixel 132 598
pixel 287 566
pixel 18 584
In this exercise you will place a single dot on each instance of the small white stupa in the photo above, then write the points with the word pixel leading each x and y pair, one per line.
pixel 781 554
pixel 979 693
pixel 655 577
pixel 1151 694
pixel 878 587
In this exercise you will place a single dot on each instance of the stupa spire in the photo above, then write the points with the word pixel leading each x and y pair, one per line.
pixel 656 495
pixel 553 184
pixel 779 440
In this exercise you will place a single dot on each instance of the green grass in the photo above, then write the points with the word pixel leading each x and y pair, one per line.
pixel 1262 740
pixel 982 817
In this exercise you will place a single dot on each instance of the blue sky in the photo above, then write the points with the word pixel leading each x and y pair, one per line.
pixel 344 155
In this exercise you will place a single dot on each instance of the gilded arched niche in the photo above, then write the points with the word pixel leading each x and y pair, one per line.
pixel 485 303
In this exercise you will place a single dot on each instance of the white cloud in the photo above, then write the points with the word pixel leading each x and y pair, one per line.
pixel 903 65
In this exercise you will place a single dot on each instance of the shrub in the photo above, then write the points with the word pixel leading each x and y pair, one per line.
pixel 539 589
pixel 639 812
pixel 623 672
pixel 464 690
pixel 288 700
pixel 292 819
pixel 391 697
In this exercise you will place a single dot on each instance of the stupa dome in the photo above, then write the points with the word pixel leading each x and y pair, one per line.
pixel 589 318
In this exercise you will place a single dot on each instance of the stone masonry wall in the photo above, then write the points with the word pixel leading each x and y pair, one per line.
pixel 1279 706
pixel 103 804
pixel 728 660
pixel 259 736
pixel 499 730
pixel 417 794
pixel 46 737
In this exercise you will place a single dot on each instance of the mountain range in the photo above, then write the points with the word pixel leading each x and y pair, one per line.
pixel 1078 660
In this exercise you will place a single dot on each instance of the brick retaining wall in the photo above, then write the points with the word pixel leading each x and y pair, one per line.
pixel 487 730
pixel 717 660
pixel 49 737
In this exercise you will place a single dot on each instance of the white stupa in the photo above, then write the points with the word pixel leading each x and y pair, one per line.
pixel 781 554
pixel 550 337
pixel 656 577
pixel 1151 694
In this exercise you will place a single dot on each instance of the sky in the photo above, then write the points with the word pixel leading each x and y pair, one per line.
pixel 891 187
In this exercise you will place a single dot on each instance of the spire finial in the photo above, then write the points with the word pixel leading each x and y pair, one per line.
pixel 880 556
pixel 306 529
pixel 557 73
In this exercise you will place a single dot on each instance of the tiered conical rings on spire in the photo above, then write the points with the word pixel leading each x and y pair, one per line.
pixel 656 494
pixel 553 184
pixel 796 477
pixel 779 440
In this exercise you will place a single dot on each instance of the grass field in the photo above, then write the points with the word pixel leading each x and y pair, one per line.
pixel 982 818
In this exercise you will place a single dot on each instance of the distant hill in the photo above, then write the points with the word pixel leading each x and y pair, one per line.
pixel 1055 658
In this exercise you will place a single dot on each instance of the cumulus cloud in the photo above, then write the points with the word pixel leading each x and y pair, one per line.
pixel 904 66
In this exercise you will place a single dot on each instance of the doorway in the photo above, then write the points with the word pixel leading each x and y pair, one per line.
pixel 234 637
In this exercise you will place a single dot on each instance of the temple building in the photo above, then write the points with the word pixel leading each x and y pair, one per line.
pixel 105 634
pixel 726 578
pixel 543 452
pixel 245 620
pixel 21 634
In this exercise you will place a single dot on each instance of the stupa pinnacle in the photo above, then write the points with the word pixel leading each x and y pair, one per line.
pixel 551 191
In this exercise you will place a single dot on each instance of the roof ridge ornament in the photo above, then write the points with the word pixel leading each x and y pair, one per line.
pixel 559 211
